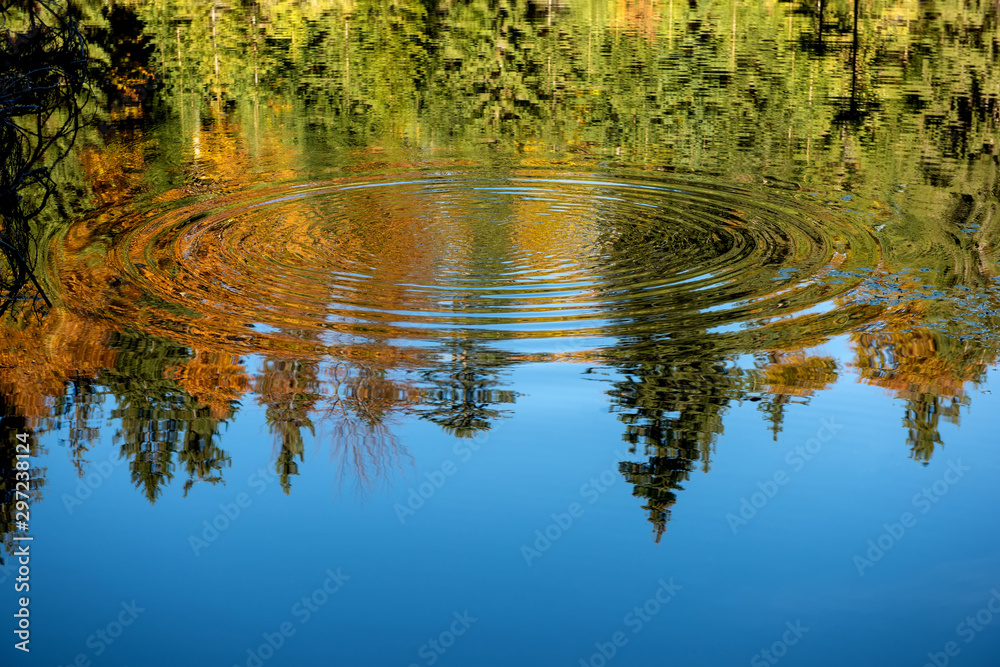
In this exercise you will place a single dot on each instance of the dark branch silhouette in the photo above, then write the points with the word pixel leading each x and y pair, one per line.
pixel 43 89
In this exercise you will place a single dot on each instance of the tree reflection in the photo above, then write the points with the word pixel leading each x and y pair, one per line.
pixel 161 425
pixel 362 400
pixel 461 393
pixel 672 406
pixel 781 377
pixel 929 371
pixel 290 392
pixel 43 78
pixel 201 101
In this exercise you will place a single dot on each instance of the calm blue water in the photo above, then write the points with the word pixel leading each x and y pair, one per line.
pixel 728 588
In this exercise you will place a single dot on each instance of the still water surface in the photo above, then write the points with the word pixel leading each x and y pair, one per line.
pixel 506 333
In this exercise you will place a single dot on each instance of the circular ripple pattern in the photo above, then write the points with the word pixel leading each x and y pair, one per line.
pixel 532 256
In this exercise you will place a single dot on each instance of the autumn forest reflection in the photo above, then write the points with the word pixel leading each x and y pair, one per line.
pixel 686 201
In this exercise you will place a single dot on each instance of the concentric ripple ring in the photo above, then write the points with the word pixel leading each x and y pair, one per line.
pixel 547 255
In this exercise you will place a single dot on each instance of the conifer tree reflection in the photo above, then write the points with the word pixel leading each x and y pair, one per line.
pixel 921 420
pixel 290 391
pixel 78 408
pixel 161 423
pixel 929 371
pixel 461 393
pixel 200 454
pixel 676 385
pixel 772 407
pixel 672 405
pixel 674 396
pixel 782 377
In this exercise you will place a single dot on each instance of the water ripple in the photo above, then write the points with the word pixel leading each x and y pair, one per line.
pixel 536 255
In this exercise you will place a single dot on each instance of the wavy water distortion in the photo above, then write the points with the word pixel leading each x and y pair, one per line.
pixel 420 258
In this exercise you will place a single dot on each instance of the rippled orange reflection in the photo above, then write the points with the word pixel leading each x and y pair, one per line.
pixel 344 389
pixel 38 360
pixel 797 374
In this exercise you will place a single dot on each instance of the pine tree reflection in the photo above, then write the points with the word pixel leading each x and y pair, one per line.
pixel 78 408
pixel 290 391
pixel 200 454
pixel 672 406
pixel 460 393
pixel 929 371
pixel 161 424
pixel 786 376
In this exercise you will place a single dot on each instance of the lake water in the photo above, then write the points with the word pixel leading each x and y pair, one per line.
pixel 497 333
